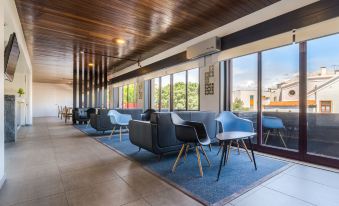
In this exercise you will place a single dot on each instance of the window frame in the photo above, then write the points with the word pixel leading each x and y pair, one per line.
pixel 302 153
pixel 172 91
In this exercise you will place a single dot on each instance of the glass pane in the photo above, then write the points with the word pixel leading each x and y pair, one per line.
pixel 245 87
pixel 124 100
pixel 155 93
pixel 280 100
pixel 193 89
pixel 323 96
pixel 165 93
pixel 120 93
pixel 179 91
pixel 131 97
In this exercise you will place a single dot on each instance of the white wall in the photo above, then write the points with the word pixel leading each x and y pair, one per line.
pixel 209 102
pixel 23 73
pixel 2 146
pixel 46 97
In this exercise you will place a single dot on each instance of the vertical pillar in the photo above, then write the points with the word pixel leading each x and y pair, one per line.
pixel 96 82
pixel 80 80
pixel 85 79
pixel 105 83
pixel 259 100
pixel 303 98
pixel 74 81
pixel 90 92
pixel 100 81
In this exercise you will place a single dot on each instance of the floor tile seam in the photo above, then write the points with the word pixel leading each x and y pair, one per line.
pixel 310 180
pixel 32 199
pixel 91 186
pixel 289 195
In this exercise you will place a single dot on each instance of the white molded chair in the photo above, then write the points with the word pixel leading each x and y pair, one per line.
pixel 118 119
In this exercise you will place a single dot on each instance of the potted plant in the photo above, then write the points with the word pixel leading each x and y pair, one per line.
pixel 21 92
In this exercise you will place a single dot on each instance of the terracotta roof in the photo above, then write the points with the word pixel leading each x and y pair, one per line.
pixel 290 103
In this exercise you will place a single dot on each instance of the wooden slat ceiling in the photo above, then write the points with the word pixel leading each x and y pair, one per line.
pixel 54 29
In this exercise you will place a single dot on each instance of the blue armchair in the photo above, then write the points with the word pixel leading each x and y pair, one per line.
pixel 120 120
pixel 273 124
pixel 230 122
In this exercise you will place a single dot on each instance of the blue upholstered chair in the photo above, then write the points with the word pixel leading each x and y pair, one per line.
pixel 120 120
pixel 273 124
pixel 230 122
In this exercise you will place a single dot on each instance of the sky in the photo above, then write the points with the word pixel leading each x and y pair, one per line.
pixel 283 63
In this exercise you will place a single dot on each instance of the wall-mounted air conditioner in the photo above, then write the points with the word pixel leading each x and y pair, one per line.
pixel 206 47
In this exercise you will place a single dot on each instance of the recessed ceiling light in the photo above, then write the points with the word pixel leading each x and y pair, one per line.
pixel 90 64
pixel 120 41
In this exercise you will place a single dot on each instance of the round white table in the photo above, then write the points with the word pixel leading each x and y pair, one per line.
pixel 225 137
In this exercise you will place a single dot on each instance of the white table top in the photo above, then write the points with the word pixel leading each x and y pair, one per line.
pixel 234 135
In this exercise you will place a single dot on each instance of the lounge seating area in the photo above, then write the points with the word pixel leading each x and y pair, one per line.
pixel 169 103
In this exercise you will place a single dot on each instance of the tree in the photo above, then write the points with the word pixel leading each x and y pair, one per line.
pixel 238 105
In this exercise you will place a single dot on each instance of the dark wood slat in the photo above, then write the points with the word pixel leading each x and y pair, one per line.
pixel 100 80
pixel 96 74
pixel 75 80
pixel 90 91
pixel 80 80
pixel 85 80
pixel 105 82
pixel 74 83
pixel 149 27
pixel 311 14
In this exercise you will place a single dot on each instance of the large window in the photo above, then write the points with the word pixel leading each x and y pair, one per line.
pixel 280 94
pixel 120 95
pixel 323 96
pixel 179 91
pixel 193 89
pixel 124 97
pixel 245 87
pixel 129 97
pixel 155 89
pixel 165 93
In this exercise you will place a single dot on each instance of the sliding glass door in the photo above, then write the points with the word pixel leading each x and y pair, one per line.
pixel 245 87
pixel 280 97
pixel 323 96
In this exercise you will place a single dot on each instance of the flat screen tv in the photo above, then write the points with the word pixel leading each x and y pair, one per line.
pixel 12 53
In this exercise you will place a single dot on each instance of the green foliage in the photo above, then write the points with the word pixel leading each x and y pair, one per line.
pixel 179 96
pixel 238 105
pixel 21 92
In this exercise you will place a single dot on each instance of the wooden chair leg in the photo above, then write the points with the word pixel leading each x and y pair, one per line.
pixel 186 151
pixel 220 148
pixel 245 147
pixel 268 134
pixel 228 151
pixel 120 133
pixel 238 147
pixel 199 161
pixel 112 132
pixel 203 151
pixel 178 158
pixel 282 139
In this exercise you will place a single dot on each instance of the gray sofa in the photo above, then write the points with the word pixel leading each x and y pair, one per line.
pixel 101 122
pixel 158 135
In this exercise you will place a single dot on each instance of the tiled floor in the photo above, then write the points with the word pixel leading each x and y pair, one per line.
pixel 55 164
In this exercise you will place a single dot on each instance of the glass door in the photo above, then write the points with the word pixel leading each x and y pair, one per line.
pixel 280 97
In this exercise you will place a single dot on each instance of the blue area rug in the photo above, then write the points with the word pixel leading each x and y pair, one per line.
pixel 237 177
pixel 90 131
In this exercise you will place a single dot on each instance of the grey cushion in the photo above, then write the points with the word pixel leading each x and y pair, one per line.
pixel 160 130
